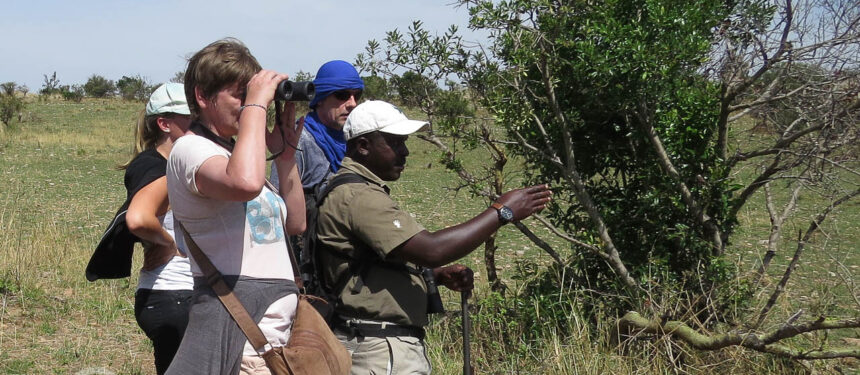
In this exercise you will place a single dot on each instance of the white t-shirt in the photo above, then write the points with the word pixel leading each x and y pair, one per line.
pixel 176 273
pixel 240 238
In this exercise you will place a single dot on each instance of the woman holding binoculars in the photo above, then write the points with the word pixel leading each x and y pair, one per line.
pixel 219 195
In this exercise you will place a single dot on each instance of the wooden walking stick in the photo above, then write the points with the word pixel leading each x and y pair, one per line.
pixel 467 327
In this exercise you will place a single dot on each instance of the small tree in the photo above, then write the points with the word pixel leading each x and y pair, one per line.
pixel 179 77
pixel 134 88
pixel 99 87
pixel 302 76
pixel 376 88
pixel 51 85
pixel 10 103
pixel 627 107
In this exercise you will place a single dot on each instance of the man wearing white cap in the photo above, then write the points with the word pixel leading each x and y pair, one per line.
pixel 371 252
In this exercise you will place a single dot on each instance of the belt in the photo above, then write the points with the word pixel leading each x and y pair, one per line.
pixel 378 329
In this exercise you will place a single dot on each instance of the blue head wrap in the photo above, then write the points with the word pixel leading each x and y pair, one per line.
pixel 332 76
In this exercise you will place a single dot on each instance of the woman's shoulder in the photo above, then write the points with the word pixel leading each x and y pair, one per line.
pixel 192 140
pixel 146 158
pixel 193 146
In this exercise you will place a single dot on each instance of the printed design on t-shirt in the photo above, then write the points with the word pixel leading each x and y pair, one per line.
pixel 264 218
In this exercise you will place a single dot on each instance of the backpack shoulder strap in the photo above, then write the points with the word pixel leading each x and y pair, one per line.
pixel 311 272
pixel 358 265
pixel 341 179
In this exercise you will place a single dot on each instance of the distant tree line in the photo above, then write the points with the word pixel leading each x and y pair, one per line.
pixel 134 87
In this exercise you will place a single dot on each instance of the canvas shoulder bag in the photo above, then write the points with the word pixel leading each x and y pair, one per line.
pixel 312 348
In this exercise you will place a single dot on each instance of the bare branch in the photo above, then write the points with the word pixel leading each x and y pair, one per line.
pixel 539 242
pixel 778 147
pixel 776 221
pixel 566 237
pixel 762 343
pixel 813 227
pixel 765 98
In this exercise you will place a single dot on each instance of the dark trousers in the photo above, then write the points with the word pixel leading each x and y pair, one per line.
pixel 163 316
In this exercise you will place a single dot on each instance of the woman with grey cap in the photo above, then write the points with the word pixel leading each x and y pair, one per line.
pixel 165 285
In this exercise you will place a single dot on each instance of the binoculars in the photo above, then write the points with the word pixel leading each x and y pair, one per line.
pixel 302 91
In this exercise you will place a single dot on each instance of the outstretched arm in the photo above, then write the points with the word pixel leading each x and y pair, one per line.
pixel 447 245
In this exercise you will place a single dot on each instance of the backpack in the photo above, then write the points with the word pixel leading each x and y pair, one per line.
pixel 309 266
pixel 309 263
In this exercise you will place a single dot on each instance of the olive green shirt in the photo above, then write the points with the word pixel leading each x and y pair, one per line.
pixel 361 220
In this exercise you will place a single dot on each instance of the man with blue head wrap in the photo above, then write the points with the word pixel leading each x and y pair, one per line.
pixel 322 145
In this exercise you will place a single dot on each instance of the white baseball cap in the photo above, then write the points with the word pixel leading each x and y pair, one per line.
pixel 376 115
pixel 168 98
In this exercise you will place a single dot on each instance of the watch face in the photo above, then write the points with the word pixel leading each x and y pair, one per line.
pixel 506 214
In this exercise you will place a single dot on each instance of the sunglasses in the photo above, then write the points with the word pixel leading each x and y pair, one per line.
pixel 345 94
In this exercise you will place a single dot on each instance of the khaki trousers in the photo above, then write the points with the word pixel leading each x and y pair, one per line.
pixel 386 355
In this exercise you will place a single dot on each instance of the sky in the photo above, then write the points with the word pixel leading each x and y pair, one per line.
pixel 153 38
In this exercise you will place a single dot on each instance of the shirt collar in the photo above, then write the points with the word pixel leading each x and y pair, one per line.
pixel 361 170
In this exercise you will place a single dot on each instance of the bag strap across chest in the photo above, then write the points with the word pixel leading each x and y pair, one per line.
pixel 225 294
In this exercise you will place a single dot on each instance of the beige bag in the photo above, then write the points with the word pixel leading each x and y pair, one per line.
pixel 312 349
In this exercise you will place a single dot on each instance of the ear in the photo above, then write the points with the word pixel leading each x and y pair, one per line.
pixel 163 125
pixel 202 100
pixel 360 147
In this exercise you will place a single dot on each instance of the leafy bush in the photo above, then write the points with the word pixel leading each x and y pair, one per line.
pixel 302 76
pixel 178 77
pixel 10 103
pixel 376 88
pixel 134 88
pixel 73 93
pixel 99 87
pixel 412 88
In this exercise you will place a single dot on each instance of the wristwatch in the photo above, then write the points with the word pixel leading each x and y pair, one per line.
pixel 506 215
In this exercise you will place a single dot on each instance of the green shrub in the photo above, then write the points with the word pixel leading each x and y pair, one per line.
pixel 11 104
pixel 376 88
pixel 134 88
pixel 99 87
pixel 73 93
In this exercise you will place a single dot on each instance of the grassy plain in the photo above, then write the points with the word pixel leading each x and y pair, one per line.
pixel 59 189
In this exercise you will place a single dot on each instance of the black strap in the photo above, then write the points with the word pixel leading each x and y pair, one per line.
pixel 311 260
pixel 337 180
pixel 198 128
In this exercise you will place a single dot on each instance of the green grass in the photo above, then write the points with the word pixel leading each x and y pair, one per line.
pixel 59 189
